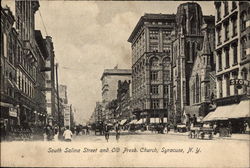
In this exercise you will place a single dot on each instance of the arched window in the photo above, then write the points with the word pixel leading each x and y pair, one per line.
pixel 166 61
pixel 154 61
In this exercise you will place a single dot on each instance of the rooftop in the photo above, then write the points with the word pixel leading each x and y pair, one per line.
pixel 149 17
pixel 116 72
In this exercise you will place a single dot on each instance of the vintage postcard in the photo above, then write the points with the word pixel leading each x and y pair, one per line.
pixel 125 83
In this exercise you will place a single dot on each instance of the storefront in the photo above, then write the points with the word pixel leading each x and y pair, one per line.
pixel 236 116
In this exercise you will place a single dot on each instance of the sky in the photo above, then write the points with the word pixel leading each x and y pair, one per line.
pixel 90 36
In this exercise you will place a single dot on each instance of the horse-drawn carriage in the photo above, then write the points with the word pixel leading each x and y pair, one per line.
pixel 200 132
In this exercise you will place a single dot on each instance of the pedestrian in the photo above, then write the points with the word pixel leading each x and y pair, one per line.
pixel 194 120
pixel 106 132
pixel 49 132
pixel 56 132
pixel 67 134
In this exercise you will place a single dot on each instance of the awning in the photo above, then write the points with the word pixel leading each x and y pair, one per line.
pixel 221 113
pixel 191 110
pixel 133 122
pixel 6 104
pixel 141 121
pixel 242 110
pixel 123 122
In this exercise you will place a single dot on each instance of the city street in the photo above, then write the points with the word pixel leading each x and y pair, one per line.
pixel 155 137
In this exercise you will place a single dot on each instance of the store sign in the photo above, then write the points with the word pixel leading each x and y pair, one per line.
pixel 13 112
pixel 240 83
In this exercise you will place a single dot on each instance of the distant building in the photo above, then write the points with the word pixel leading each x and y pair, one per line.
pixel 110 78
pixel 151 69
pixel 124 97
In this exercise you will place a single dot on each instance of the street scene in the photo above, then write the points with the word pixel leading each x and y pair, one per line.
pixel 149 73
pixel 153 74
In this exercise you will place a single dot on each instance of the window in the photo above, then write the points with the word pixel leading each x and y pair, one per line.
pixel 227 57
pixel 219 13
pixel 234 24
pixel 154 75
pixel 226 31
pixel 243 48
pixel 154 61
pixel 226 8
pixel 234 6
pixel 166 62
pixel 219 36
pixel 197 84
pixel 153 35
pixel 188 51
pixel 155 103
pixel 153 48
pixel 193 52
pixel 243 20
pixel 166 75
pixel 165 90
pixel 166 49
pixel 244 77
pixel 235 54
pixel 154 89
pixel 220 88
pixel 227 78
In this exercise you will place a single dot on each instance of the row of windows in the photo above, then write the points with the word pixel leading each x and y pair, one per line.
pixel 24 84
pixel 226 9
pixel 154 75
pixel 154 89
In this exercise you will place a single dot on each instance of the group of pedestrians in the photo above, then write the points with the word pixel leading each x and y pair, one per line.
pixel 107 130
pixel 52 133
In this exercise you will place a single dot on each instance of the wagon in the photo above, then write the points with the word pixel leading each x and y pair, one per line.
pixel 201 132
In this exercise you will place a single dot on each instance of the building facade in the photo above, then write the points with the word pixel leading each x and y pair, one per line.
pixel 110 78
pixel 22 59
pixel 151 69
pixel 187 43
pixel 124 110
pixel 232 61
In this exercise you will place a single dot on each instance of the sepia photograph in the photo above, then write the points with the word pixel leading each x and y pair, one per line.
pixel 125 83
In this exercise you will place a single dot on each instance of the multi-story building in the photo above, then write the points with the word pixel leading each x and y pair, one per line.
pixel 23 60
pixel 52 97
pixel 98 112
pixel 232 62
pixel 110 78
pixel 9 106
pixel 151 69
pixel 187 42
pixel 123 111
pixel 63 102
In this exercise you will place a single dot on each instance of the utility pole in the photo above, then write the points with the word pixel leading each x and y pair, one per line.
pixel 58 99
